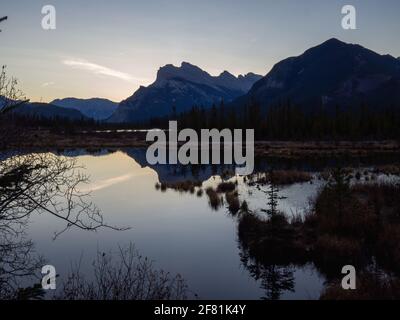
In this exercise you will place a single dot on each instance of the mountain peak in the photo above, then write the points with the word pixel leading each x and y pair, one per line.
pixel 182 87
pixel 332 73
pixel 95 108
pixel 226 74
pixel 328 45
pixel 333 41
pixel 185 71
pixel 185 64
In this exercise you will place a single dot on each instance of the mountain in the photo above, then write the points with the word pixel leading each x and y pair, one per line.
pixel 178 172
pixel 333 73
pixel 4 102
pixel 181 88
pixel 48 111
pixel 95 108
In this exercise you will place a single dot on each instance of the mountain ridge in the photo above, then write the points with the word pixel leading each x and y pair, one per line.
pixel 177 89
pixel 333 72
pixel 48 111
pixel 95 108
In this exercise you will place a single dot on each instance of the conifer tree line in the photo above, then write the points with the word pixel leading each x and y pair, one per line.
pixel 290 122
pixel 280 122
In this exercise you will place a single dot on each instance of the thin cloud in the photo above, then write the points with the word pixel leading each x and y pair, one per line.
pixel 106 183
pixel 98 69
pixel 103 184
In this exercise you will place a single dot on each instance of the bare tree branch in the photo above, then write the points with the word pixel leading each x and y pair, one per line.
pixel 123 276
pixel 46 183
pixel 10 96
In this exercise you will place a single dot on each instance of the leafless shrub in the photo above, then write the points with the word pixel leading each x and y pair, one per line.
pixel 10 98
pixel 10 95
pixel 18 261
pixel 128 276
pixel 45 183
pixel 37 183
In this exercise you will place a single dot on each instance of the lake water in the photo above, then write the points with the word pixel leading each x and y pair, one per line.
pixel 180 232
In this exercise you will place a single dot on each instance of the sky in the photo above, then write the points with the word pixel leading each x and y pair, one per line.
pixel 109 48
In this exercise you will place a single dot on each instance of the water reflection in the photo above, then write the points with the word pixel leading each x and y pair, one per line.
pixel 194 233
pixel 179 172
pixel 274 279
pixel 34 184
pixel 18 261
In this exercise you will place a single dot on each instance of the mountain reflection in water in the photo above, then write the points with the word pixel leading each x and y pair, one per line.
pixel 179 231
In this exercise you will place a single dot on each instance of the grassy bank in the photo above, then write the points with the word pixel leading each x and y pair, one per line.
pixel 53 139
pixel 356 224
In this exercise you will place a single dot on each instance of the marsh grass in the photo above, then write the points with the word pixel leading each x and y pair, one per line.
pixel 232 198
pixel 393 169
pixel 280 177
pixel 214 198
pixel 370 286
pixel 225 187
pixel 346 224
pixel 180 186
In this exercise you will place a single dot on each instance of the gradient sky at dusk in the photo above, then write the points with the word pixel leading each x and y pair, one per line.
pixel 108 48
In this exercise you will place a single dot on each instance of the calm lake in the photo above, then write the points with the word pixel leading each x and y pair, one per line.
pixel 180 232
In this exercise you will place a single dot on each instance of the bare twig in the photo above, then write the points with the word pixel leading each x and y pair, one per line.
pixel 123 276
pixel 46 183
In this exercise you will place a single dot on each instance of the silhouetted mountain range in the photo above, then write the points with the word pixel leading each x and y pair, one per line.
pixel 48 111
pixel 333 73
pixel 178 172
pixel 177 89
pixel 95 108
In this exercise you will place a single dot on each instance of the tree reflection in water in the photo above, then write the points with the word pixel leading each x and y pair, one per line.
pixel 275 279
pixel 18 262
pixel 37 183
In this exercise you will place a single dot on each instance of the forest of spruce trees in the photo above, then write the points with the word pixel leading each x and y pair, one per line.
pixel 289 122
pixel 280 122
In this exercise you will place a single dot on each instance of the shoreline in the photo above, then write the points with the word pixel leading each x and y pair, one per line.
pixel 46 140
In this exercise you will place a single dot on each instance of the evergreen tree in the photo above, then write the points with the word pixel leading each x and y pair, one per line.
pixel 273 195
